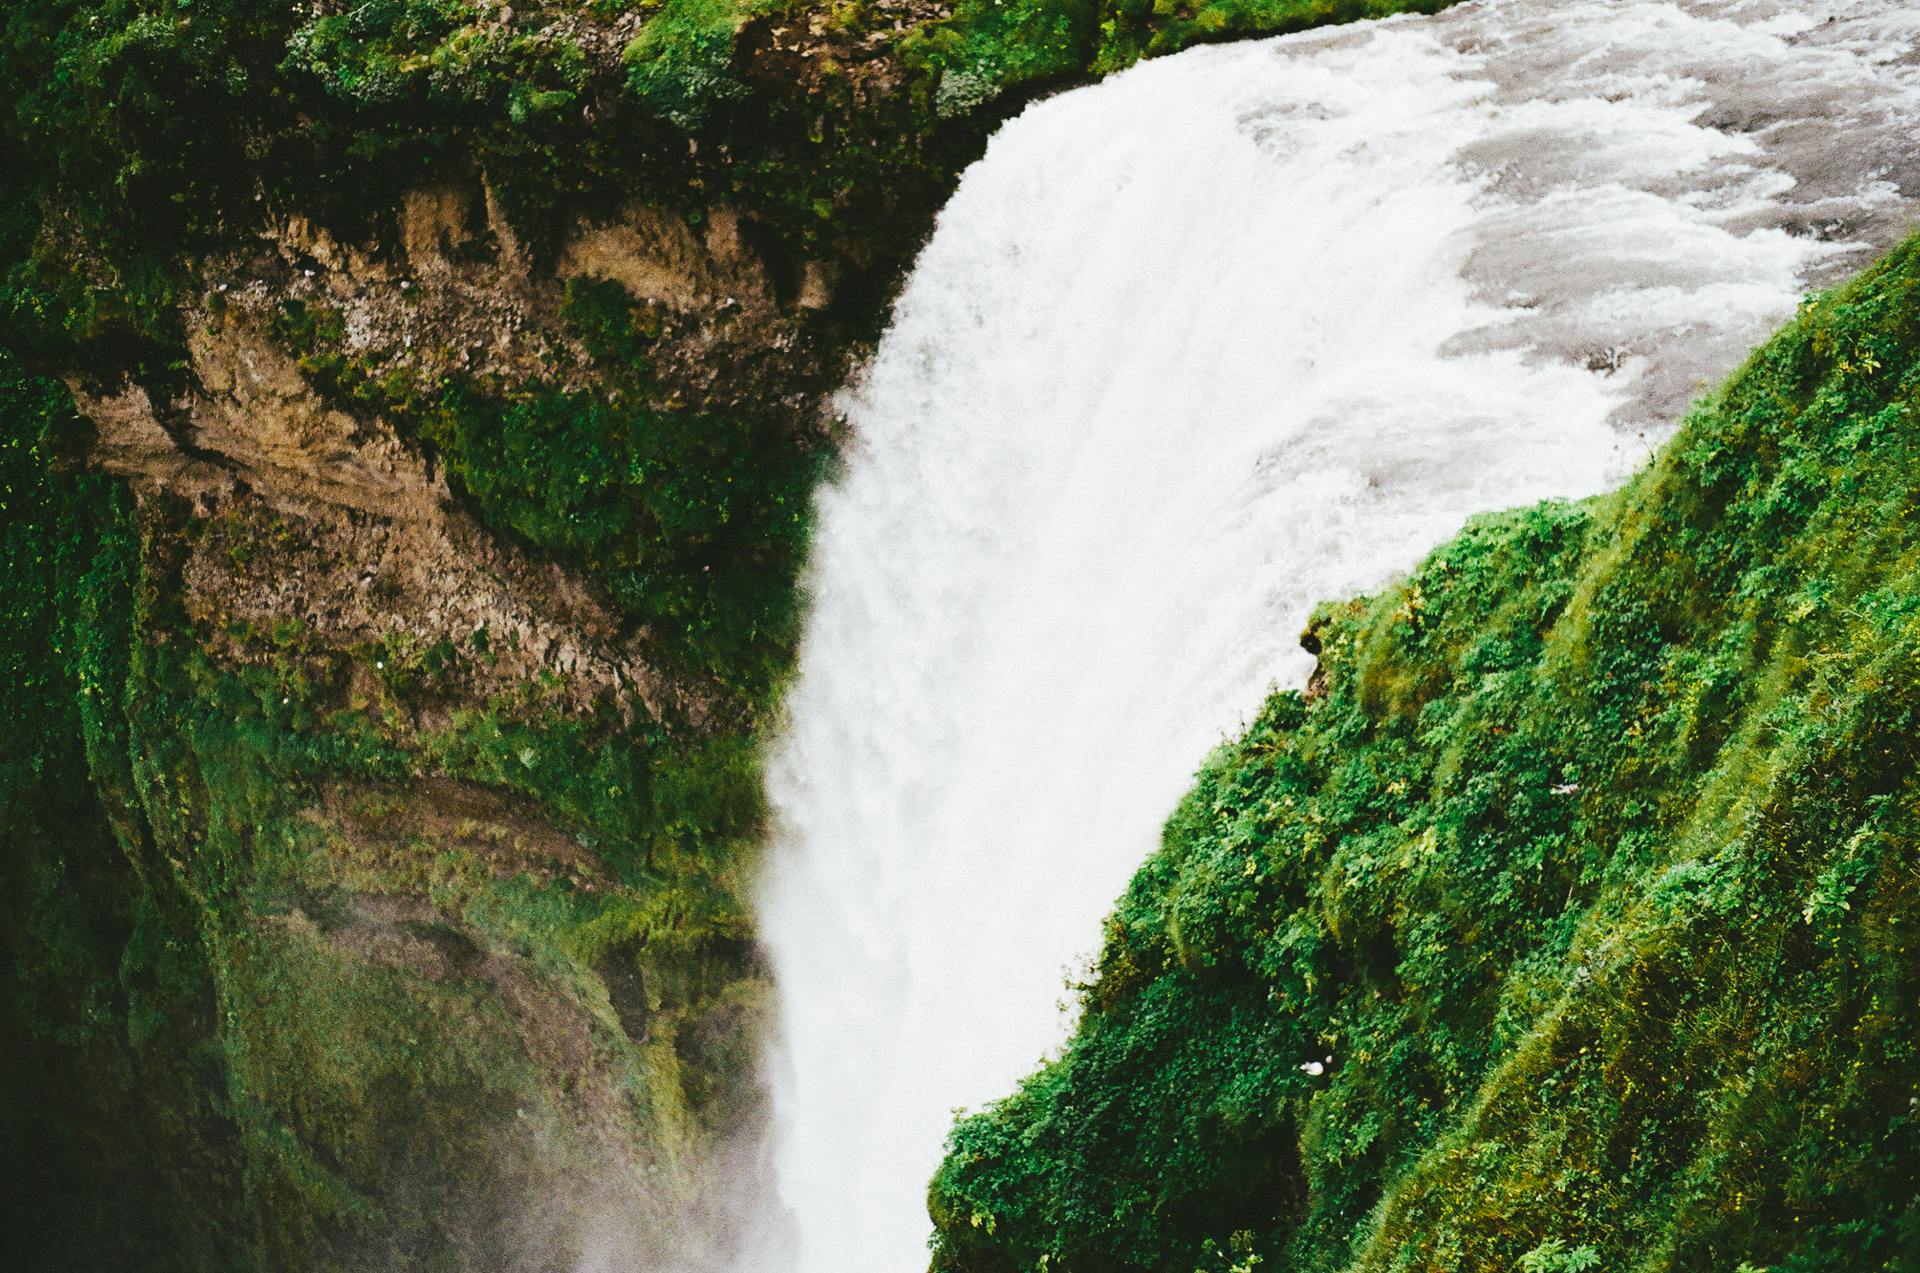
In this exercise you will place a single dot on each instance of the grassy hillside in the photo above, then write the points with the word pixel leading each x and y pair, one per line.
pixel 1568 921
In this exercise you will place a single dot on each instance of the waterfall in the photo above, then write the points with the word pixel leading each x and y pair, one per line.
pixel 1188 352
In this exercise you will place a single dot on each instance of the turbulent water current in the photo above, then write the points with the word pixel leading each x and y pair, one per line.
pixel 1189 351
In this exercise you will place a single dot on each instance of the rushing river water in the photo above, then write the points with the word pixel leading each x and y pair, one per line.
pixel 1189 351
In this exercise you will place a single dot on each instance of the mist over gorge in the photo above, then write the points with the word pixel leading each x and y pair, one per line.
pixel 614 610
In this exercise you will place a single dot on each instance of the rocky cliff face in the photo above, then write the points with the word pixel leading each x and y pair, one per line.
pixel 451 838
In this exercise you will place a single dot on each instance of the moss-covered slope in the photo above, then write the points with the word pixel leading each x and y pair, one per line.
pixel 1568 921
pixel 313 962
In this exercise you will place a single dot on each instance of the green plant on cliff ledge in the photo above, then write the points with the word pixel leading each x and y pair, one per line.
pixel 695 522
pixel 678 65
pixel 1573 925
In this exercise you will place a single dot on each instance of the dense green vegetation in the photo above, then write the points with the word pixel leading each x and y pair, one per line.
pixel 1586 873
pixel 185 984
pixel 208 1063
pixel 143 133
pixel 101 976
pixel 988 48
pixel 694 522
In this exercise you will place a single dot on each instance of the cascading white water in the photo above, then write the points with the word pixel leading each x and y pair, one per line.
pixel 1189 351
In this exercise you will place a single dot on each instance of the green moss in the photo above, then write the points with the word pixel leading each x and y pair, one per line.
pixel 105 1006
pixel 986 49
pixel 145 135
pixel 694 522
pixel 680 63
pixel 990 47
pixel 1592 870
pixel 354 1031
